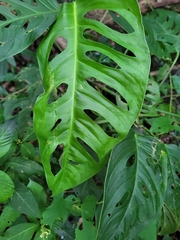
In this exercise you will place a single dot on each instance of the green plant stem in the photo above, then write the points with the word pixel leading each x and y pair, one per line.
pixel 171 93
pixel 149 5
pixel 159 110
pixel 174 62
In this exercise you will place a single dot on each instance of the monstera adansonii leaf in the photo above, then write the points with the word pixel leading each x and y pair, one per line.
pixel 135 187
pixel 65 122
pixel 22 22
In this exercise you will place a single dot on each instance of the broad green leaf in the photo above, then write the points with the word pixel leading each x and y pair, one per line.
pixel 21 231
pixel 39 194
pixel 23 22
pixel 58 210
pixel 25 166
pixel 6 187
pixel 135 186
pixel 6 133
pixel 24 202
pixel 88 210
pixel 65 121
pixel 162 124
pixel 7 217
pixel 150 232
pixel 162 30
pixel 171 209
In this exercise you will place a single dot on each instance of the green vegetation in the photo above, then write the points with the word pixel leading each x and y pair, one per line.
pixel 89 131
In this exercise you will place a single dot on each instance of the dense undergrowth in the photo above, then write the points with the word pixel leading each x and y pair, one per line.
pixel 107 168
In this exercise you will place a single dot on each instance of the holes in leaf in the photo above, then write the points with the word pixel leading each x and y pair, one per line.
pixel 111 19
pixel 102 122
pixel 102 59
pixel 73 162
pixel 130 162
pixel 62 89
pixel 55 158
pixel 56 124
pixel 59 46
pixel 16 111
pixel 15 12
pixel 124 25
pixel 91 152
pixel 143 189
pixel 109 215
pixel 59 92
pixel 123 200
pixel 114 21
pixel 109 93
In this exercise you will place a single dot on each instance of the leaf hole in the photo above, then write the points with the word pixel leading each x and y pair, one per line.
pixel 56 124
pixel 109 215
pixel 130 162
pixel 102 59
pixel 62 89
pixel 110 93
pixel 124 26
pixel 16 111
pixel 111 19
pixel 73 162
pixel 123 200
pixel 58 47
pixel 91 152
pixel 55 158
pixel 143 189
pixel 102 123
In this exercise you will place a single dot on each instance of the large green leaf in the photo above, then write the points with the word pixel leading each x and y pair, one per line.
pixel 135 186
pixel 24 202
pixel 65 121
pixel 23 22
pixel 171 209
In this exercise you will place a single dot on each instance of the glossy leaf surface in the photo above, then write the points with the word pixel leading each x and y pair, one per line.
pixel 135 186
pixel 171 208
pixel 22 22
pixel 6 134
pixel 65 122
pixel 6 187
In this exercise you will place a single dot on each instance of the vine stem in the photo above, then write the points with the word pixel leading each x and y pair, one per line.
pixel 174 62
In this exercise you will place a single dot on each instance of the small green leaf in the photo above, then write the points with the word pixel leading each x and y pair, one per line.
pixel 7 217
pixel 24 202
pixel 39 194
pixel 176 83
pixel 6 187
pixel 27 150
pixel 22 231
pixel 58 210
pixel 6 134
pixel 88 211
pixel 162 124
